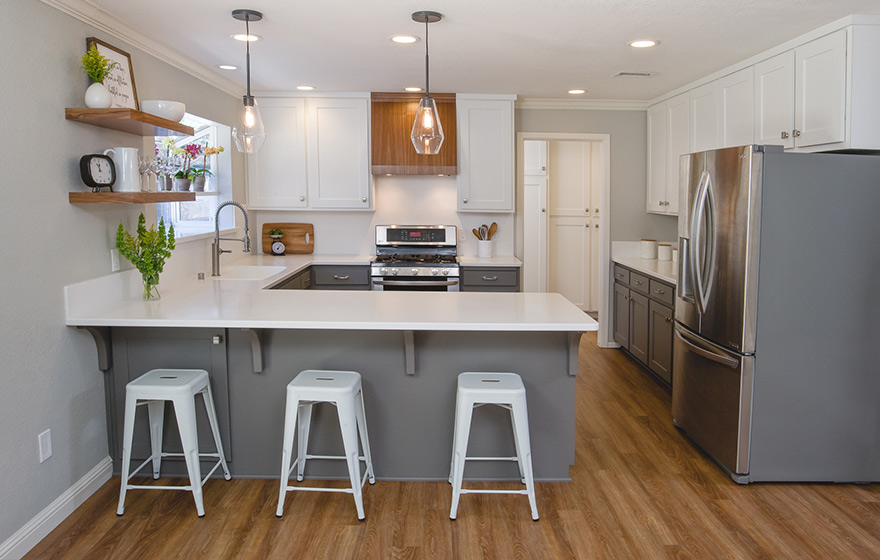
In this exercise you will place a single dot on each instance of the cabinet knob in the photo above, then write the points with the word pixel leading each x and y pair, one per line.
pixel 216 340
pixel 784 135
pixel 659 291
pixel 597 211
pixel 668 319
pixel 543 168
pixel 464 201
pixel 795 133
pixel 597 226
pixel 543 209
pixel 364 199
pixel 302 199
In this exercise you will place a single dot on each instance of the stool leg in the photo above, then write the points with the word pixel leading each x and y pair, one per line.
pixel 157 426
pixel 185 410
pixel 290 418
pixel 127 436
pixel 454 440
pixel 304 425
pixel 521 428
pixel 208 399
pixel 348 425
pixel 365 438
pixel 519 455
pixel 464 412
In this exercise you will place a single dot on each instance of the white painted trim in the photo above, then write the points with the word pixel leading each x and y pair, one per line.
pixel 489 96
pixel 88 13
pixel 604 335
pixel 583 104
pixel 44 522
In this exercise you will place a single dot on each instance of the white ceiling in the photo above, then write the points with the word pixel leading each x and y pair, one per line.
pixel 537 49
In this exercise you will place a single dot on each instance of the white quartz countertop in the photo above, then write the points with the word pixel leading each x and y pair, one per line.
pixel 489 262
pixel 115 301
pixel 661 270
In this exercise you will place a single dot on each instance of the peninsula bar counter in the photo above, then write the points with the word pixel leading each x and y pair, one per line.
pixel 409 348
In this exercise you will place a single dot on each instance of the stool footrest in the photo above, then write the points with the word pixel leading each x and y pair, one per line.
pixel 473 491
pixel 491 459
pixel 316 489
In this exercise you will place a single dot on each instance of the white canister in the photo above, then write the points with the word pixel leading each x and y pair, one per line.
pixel 674 254
pixel 649 248
pixel 664 252
pixel 484 248
pixel 128 178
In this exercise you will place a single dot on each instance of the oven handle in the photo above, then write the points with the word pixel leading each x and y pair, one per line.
pixel 428 283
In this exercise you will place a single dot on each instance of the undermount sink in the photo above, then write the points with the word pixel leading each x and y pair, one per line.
pixel 255 272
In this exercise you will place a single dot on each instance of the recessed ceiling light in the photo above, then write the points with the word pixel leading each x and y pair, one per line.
pixel 577 91
pixel 412 89
pixel 644 44
pixel 228 67
pixel 305 88
pixel 404 39
pixel 245 37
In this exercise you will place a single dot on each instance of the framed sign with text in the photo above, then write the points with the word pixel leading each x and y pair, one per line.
pixel 120 80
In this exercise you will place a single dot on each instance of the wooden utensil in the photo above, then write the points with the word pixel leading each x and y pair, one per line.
pixel 492 229
pixel 477 234
pixel 484 232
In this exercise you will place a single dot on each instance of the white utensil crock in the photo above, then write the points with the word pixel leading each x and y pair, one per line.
pixel 127 177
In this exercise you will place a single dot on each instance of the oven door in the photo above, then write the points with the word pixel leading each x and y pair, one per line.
pixel 415 284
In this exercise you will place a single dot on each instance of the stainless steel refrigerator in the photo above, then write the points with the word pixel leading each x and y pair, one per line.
pixel 777 338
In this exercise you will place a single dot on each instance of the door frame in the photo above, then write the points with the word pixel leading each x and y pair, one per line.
pixel 604 211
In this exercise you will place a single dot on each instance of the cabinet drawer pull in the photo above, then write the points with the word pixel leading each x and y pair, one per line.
pixel 346 277
pixel 619 275
pixel 659 291
pixel 490 278
pixel 796 133
pixel 639 282
pixel 784 135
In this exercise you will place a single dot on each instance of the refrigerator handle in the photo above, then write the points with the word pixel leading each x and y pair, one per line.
pixel 685 286
pixel 696 242
pixel 694 346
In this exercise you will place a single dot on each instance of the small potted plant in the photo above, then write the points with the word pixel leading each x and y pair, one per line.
pixel 97 66
pixel 147 252
pixel 183 178
pixel 200 174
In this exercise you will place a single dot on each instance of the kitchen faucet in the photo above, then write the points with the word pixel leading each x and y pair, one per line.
pixel 216 251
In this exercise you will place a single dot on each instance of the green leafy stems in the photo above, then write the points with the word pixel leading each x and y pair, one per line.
pixel 147 252
pixel 96 65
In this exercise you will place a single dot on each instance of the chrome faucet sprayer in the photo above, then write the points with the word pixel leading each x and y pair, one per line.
pixel 216 251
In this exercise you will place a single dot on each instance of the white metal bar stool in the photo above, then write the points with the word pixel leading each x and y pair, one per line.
pixel 507 391
pixel 343 390
pixel 180 386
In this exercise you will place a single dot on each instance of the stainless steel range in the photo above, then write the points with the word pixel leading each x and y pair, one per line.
pixel 416 258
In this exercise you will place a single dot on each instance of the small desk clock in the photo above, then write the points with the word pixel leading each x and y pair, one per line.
pixel 97 171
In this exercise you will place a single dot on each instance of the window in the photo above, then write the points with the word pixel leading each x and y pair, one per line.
pixel 197 217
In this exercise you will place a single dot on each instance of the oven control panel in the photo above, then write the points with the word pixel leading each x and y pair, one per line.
pixel 442 236
pixel 410 272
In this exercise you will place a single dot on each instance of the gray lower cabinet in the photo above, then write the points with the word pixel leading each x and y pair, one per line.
pixel 642 313
pixel 340 277
pixel 299 281
pixel 138 350
pixel 490 279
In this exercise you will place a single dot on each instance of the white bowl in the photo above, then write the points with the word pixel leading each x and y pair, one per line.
pixel 171 110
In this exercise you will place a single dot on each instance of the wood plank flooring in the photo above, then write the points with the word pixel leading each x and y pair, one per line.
pixel 639 490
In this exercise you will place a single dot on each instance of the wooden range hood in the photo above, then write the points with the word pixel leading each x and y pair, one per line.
pixel 392 120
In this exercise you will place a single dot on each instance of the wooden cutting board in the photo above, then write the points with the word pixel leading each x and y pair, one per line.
pixel 298 238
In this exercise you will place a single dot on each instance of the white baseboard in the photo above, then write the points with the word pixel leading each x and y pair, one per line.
pixel 44 522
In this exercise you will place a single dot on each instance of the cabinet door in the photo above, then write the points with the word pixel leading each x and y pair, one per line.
pixel 658 158
pixel 704 117
pixel 570 185
pixel 736 108
pixel 620 312
pixel 535 157
pixel 820 91
pixel 276 175
pixel 660 342
pixel 638 326
pixel 570 259
pixel 678 143
pixel 774 100
pixel 339 153
pixel 485 163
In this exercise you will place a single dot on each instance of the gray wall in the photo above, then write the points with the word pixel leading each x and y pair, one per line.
pixel 48 371
pixel 628 131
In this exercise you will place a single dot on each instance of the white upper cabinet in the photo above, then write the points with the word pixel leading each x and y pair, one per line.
pixel 704 117
pixel 276 175
pixel 658 158
pixel 485 153
pixel 535 157
pixel 668 139
pixel 736 114
pixel 316 155
pixel 800 95
pixel 339 153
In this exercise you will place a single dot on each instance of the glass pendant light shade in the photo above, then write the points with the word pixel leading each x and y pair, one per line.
pixel 248 133
pixel 427 132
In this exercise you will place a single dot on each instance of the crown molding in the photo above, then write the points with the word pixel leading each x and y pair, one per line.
pixel 86 12
pixel 582 104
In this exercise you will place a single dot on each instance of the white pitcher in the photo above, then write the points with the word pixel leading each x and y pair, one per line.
pixel 128 178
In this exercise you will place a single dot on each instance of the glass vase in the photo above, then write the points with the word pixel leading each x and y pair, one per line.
pixel 151 286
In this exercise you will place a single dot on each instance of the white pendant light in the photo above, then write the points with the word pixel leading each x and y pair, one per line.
pixel 427 133
pixel 248 133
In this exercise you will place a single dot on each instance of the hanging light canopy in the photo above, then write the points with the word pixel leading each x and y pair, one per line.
pixel 248 132
pixel 427 133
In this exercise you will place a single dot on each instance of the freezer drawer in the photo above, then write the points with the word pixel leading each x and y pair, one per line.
pixel 712 399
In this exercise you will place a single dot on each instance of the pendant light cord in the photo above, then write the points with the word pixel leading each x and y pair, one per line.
pixel 427 73
pixel 247 30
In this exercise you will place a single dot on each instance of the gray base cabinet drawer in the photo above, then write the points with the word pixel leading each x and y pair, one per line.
pixel 662 292
pixel 639 283
pixel 300 281
pixel 621 274
pixel 340 277
pixel 495 279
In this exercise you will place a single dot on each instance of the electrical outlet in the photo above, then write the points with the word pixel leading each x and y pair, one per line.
pixel 114 260
pixel 45 441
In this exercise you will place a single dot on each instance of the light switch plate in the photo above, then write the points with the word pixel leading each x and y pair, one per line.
pixel 114 260
pixel 45 441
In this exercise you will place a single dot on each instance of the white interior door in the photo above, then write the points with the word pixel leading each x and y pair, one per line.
pixel 569 262
pixel 535 233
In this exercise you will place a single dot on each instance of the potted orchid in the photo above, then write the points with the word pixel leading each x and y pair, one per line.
pixel 199 174
pixel 184 175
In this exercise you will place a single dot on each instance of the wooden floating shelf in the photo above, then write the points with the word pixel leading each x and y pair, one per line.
pixel 129 120
pixel 129 197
